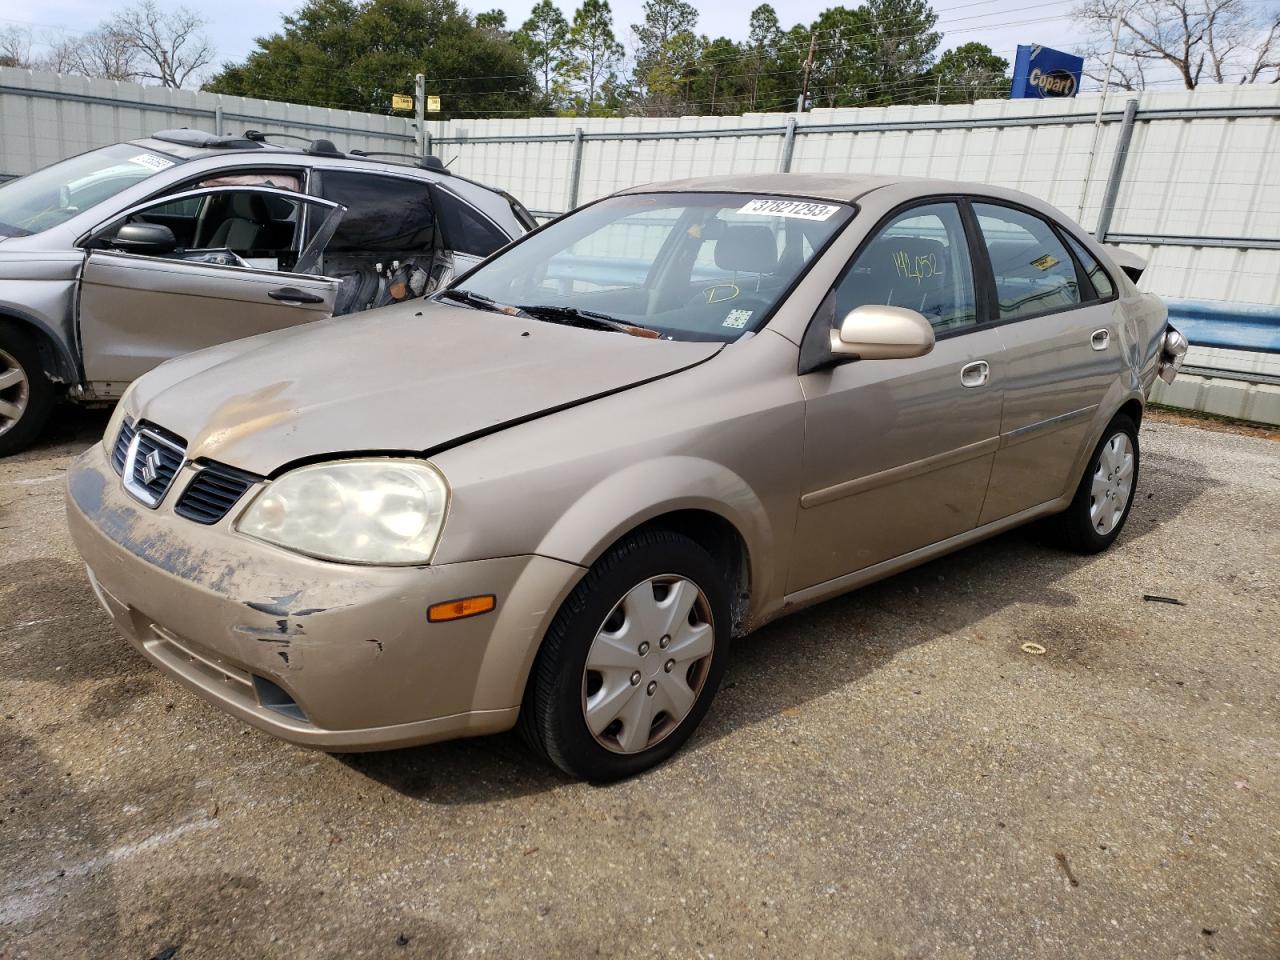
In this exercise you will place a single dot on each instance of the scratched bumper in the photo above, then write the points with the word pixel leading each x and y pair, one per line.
pixel 329 655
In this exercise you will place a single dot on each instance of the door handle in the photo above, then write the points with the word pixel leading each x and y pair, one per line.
pixel 1100 339
pixel 974 374
pixel 294 295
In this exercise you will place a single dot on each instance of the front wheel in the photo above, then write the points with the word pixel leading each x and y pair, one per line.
pixel 1103 499
pixel 632 659
pixel 26 395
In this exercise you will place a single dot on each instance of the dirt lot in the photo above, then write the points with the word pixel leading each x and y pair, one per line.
pixel 885 776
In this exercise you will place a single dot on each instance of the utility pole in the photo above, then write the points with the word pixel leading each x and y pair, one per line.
pixel 420 111
pixel 808 69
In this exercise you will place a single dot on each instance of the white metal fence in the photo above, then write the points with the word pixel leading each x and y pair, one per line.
pixel 1197 193
pixel 45 117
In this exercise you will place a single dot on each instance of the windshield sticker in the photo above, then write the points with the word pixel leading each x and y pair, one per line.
pixel 151 162
pixel 1047 262
pixel 797 209
pixel 737 319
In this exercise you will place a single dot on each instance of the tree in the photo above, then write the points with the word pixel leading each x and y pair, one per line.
pixel 1221 41
pixel 544 39
pixel 15 47
pixel 594 55
pixel 763 35
pixel 169 48
pixel 105 54
pixel 666 49
pixel 967 73
pixel 357 53
pixel 493 22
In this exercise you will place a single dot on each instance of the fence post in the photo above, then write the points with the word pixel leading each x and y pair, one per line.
pixel 575 172
pixel 1116 175
pixel 788 146
pixel 217 119
pixel 420 111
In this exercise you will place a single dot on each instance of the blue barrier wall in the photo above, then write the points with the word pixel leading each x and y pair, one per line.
pixel 1236 326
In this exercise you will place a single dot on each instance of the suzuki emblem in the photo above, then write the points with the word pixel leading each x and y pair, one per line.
pixel 151 467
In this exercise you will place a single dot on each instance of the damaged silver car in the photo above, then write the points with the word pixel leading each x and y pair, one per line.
pixel 118 259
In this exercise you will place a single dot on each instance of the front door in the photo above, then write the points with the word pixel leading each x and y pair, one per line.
pixel 1060 326
pixel 898 453
pixel 236 270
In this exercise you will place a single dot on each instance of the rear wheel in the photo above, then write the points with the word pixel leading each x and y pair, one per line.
pixel 26 395
pixel 632 659
pixel 1102 501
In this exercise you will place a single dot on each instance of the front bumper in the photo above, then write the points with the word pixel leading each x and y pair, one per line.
pixel 327 655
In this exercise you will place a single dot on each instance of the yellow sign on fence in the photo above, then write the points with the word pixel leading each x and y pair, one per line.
pixel 401 101
pixel 433 104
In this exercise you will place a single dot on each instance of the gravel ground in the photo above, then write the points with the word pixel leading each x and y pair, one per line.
pixel 887 775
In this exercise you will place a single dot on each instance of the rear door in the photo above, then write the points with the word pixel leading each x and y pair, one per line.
pixel 1059 321
pixel 239 269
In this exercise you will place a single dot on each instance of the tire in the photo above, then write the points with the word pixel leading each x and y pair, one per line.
pixel 636 589
pixel 1098 513
pixel 26 394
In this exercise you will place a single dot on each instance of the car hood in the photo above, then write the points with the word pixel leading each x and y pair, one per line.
pixel 411 377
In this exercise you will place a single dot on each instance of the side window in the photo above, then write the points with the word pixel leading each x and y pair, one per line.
pixel 1102 284
pixel 384 214
pixel 258 227
pixel 466 230
pixel 228 227
pixel 919 260
pixel 1033 270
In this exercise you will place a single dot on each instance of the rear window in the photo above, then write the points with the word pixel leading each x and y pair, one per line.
pixel 1102 284
pixel 383 213
pixel 1033 271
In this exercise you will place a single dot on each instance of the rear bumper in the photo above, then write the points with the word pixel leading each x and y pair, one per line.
pixel 327 655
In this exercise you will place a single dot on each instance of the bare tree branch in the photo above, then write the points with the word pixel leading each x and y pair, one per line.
pixel 169 47
pixel 1221 40
pixel 15 47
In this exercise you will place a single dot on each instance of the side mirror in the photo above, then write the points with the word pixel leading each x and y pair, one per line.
pixel 874 332
pixel 147 238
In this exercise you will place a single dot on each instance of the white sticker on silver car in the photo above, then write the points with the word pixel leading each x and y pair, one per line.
pixel 798 209
pixel 737 319
pixel 151 162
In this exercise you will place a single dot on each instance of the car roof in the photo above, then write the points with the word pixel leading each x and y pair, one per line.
pixel 824 186
pixel 842 187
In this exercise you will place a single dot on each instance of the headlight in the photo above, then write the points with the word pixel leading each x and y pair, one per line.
pixel 353 511
pixel 117 418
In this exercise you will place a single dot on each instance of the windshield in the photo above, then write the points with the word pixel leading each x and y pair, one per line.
pixel 690 266
pixel 55 194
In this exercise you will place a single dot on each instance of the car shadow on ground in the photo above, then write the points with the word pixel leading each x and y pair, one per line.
pixel 805 656
pixel 69 431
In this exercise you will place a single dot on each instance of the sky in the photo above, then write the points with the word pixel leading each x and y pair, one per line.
pixel 1001 24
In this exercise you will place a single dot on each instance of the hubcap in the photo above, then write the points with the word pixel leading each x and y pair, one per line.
pixel 647 664
pixel 1112 484
pixel 15 391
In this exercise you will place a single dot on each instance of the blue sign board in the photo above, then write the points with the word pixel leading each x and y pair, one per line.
pixel 1042 73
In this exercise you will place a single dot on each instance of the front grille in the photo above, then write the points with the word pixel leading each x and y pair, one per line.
pixel 121 448
pixel 153 460
pixel 213 492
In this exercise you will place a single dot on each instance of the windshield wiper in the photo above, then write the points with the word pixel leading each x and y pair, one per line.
pixel 576 316
pixel 480 302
